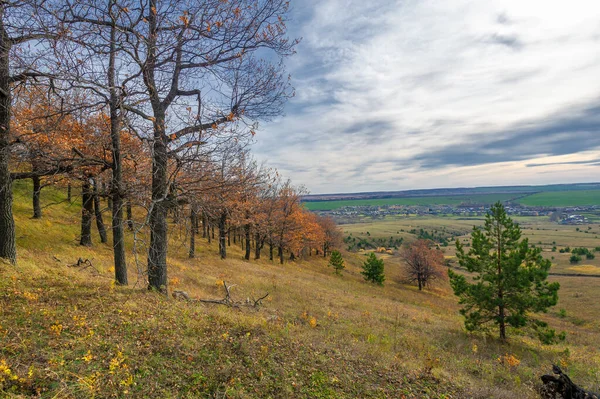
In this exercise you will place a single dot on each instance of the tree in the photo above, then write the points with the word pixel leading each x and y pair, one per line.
pixel 202 56
pixel 373 269
pixel 336 261
pixel 423 263
pixel 509 276
pixel 24 39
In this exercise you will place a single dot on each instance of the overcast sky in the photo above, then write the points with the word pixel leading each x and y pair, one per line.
pixel 394 95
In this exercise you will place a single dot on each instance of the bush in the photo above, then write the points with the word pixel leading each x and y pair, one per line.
pixel 575 259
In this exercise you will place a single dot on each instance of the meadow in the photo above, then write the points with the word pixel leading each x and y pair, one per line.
pixel 69 332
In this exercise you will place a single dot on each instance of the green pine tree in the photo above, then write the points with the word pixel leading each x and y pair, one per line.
pixel 373 269
pixel 336 261
pixel 509 279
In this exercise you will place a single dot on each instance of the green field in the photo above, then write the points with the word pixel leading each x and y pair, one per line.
pixel 431 200
pixel 563 198
pixel 550 198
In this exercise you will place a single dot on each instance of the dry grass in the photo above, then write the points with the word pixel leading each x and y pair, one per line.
pixel 70 333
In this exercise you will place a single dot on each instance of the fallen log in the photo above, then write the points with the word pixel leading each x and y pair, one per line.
pixel 561 387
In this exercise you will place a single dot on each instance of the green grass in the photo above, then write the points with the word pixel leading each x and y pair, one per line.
pixel 563 198
pixel 424 201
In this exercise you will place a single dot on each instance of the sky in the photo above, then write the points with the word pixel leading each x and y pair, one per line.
pixel 408 94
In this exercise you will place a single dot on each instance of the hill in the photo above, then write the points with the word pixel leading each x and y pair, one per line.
pixel 69 332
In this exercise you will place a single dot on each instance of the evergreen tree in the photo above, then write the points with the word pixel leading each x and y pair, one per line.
pixel 336 261
pixel 373 269
pixel 509 278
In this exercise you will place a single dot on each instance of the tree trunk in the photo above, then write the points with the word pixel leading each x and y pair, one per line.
pixel 271 250
pixel 8 249
pixel 109 197
pixel 157 254
pixel 193 223
pixel 37 188
pixel 501 315
pixel 129 215
pixel 69 192
pixel 204 225
pixel 223 235
pixel 258 246
pixel 247 230
pixel 280 253
pixel 212 228
pixel 502 323
pixel 229 237
pixel 98 214
pixel 115 197
pixel 87 212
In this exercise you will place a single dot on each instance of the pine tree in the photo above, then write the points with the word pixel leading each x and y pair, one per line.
pixel 373 269
pixel 336 261
pixel 509 278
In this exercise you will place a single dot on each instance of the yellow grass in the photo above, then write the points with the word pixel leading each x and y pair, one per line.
pixel 317 335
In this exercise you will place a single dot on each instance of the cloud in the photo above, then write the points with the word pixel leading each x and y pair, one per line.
pixel 575 133
pixel 423 93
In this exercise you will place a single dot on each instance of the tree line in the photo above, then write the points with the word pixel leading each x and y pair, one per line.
pixel 152 105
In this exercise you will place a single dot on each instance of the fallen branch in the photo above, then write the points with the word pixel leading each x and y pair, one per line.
pixel 86 264
pixel 562 387
pixel 227 301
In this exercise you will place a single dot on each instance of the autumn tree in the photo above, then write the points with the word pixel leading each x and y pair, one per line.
pixel 27 32
pixel 424 263
pixel 285 218
pixel 510 277
pixel 332 236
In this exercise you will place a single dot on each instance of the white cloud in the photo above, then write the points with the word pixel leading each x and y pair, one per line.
pixel 379 83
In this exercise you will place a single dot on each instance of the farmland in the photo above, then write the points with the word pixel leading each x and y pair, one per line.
pixel 424 201
pixel 546 196
pixel 562 198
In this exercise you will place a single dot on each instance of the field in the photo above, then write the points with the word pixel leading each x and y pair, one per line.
pixel 549 198
pixel 563 198
pixel 431 200
pixel 538 230
pixel 68 332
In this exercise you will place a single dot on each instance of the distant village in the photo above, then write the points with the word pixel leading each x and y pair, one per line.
pixel 566 215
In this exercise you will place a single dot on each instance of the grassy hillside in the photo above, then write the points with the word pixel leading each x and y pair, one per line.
pixel 68 332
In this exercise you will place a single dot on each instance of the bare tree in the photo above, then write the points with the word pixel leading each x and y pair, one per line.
pixel 199 73
pixel 424 262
